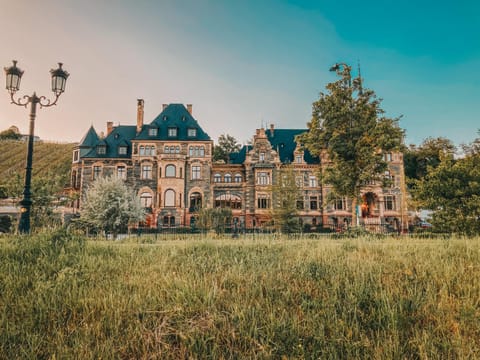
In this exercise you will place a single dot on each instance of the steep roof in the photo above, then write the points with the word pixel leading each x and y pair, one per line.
pixel 173 116
pixel 120 136
pixel 90 139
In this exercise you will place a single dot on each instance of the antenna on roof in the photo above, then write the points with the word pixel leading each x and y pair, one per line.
pixel 359 78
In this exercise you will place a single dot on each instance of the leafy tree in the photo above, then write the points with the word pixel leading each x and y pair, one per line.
pixel 452 191
pixel 226 145
pixel 10 134
pixel 349 126
pixel 418 158
pixel 110 205
pixel 286 193
pixel 217 219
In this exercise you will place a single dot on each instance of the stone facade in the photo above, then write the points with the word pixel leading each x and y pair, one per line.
pixel 169 164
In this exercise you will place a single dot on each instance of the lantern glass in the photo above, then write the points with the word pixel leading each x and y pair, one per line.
pixel 13 77
pixel 59 79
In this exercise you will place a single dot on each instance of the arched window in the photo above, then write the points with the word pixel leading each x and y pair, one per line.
pixel 169 198
pixel 217 178
pixel 195 201
pixel 227 178
pixel 238 178
pixel 146 199
pixel 142 150
pixel 170 171
pixel 202 151
pixel 228 201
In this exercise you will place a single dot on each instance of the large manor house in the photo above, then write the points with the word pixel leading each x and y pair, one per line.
pixel 169 163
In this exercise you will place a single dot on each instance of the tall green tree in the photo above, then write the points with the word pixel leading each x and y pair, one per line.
pixel 452 191
pixel 349 125
pixel 286 193
pixel 226 145
pixel 417 159
pixel 110 205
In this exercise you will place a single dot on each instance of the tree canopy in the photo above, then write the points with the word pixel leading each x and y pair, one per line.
pixel 452 191
pixel 349 125
pixel 428 153
pixel 226 145
pixel 110 205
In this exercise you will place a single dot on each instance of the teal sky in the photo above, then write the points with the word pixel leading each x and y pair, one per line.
pixel 243 63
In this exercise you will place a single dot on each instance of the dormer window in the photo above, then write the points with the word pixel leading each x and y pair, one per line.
pixel 101 149
pixel 153 132
pixel 192 132
pixel 122 150
pixel 172 132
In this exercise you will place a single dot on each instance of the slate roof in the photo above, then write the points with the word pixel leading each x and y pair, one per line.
pixel 90 139
pixel 174 116
pixel 120 136
pixel 282 141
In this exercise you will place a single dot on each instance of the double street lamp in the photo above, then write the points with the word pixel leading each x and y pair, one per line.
pixel 13 77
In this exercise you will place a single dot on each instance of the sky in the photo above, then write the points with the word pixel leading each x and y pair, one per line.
pixel 242 64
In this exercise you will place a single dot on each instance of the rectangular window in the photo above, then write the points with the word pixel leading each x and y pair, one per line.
pixel 172 132
pixel 97 171
pixel 389 202
pixel 263 202
pixel 146 171
pixel 262 156
pixel 196 172
pixel 340 204
pixel 313 203
pixel 192 132
pixel 312 181
pixel 298 159
pixel 387 157
pixel 121 172
pixel 75 155
pixel 101 150
pixel 263 178
pixel 153 132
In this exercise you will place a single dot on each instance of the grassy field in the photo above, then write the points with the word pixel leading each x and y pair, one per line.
pixel 400 298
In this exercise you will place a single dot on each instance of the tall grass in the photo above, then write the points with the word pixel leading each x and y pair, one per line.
pixel 62 297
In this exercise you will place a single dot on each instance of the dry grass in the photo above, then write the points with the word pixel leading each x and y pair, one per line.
pixel 384 298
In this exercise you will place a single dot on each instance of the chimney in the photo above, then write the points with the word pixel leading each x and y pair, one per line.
pixel 272 128
pixel 140 103
pixel 189 108
pixel 109 127
pixel 164 106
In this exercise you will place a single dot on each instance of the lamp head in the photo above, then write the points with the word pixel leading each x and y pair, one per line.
pixel 59 79
pixel 14 75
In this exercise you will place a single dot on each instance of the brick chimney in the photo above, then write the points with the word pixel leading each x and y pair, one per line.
pixel 272 129
pixel 189 108
pixel 109 127
pixel 140 103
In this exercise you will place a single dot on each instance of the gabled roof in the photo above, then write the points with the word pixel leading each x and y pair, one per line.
pixel 282 141
pixel 120 136
pixel 90 139
pixel 173 116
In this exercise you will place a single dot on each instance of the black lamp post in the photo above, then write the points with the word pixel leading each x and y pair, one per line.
pixel 14 75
